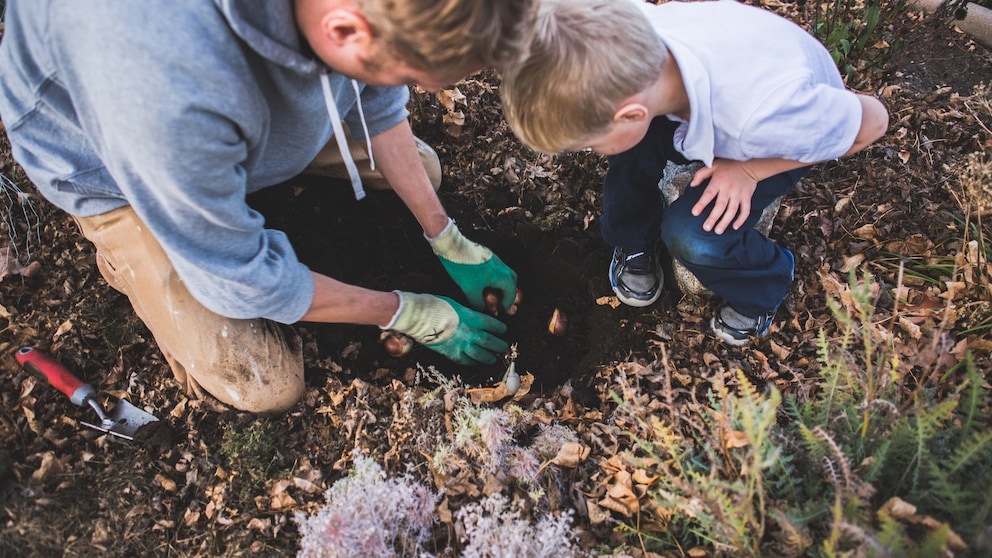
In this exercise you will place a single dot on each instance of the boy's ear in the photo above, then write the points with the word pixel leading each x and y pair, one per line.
pixel 630 112
pixel 343 25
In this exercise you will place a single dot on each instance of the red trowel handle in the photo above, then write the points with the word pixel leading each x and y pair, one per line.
pixel 42 365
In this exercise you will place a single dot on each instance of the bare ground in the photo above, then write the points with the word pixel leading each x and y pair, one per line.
pixel 68 491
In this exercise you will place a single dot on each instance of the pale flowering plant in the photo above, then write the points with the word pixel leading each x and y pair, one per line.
pixel 369 515
pixel 494 528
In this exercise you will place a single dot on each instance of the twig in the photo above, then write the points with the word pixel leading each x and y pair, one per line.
pixel 16 201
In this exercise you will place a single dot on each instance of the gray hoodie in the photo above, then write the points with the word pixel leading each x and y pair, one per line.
pixel 179 108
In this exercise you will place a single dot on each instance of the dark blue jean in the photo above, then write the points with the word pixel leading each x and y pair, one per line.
pixel 750 272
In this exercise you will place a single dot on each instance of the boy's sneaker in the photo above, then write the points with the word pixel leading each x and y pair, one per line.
pixel 636 277
pixel 736 328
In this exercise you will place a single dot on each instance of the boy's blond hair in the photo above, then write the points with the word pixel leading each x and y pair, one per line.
pixel 581 60
pixel 448 37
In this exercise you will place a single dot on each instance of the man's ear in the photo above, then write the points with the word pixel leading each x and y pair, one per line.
pixel 341 25
pixel 630 112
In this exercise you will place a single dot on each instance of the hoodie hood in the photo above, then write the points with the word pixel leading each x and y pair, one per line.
pixel 269 28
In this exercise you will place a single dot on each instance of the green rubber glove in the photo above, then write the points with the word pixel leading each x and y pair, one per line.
pixel 441 324
pixel 473 267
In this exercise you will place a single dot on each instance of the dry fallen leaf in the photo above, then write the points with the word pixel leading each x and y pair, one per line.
pixel 620 495
pixel 641 476
pixel 9 265
pixel 897 508
pixel 612 301
pixel 953 289
pixel 888 90
pixel 901 510
pixel 780 352
pixel 852 262
pixel 866 232
pixel 571 454
pixel 259 524
pixel 735 439
pixel 166 483
pixel 596 513
pixel 916 245
pixel 711 360
pixel 454 118
pixel 307 486
pixel 499 391
pixel 281 501
pixel 444 512
pixel 909 327
pixel 831 285
pixel 102 535
pixel 64 328
pixel 50 465
pixel 448 98
pixel 981 345
pixel 589 218
pixel 35 426
pixel 190 517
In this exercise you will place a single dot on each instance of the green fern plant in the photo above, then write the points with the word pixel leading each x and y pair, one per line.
pixel 745 473
pixel 712 482
pixel 874 435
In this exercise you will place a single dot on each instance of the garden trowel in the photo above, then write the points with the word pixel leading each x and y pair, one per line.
pixel 123 421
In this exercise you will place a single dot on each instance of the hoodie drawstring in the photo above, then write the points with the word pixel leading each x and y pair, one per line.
pixel 365 127
pixel 342 141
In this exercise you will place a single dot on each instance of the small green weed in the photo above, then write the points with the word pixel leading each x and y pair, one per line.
pixel 249 453
pixel 855 32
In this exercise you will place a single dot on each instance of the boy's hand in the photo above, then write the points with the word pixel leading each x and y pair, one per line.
pixel 732 186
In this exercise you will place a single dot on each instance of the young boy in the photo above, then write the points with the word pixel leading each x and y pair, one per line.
pixel 751 95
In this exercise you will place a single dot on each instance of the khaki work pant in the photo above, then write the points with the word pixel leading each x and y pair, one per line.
pixel 253 365
pixel 329 163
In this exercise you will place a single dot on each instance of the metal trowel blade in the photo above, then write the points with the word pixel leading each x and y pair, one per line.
pixel 127 419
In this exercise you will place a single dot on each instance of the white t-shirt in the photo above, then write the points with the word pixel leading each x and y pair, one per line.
pixel 759 86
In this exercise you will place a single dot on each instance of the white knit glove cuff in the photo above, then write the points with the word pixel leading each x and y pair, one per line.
pixel 396 315
pixel 452 246
pixel 426 318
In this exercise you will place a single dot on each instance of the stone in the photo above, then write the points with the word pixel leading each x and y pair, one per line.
pixel 674 181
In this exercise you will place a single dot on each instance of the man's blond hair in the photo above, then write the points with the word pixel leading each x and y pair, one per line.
pixel 580 61
pixel 448 37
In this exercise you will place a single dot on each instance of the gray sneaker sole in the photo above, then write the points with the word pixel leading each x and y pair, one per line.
pixel 637 302
pixel 726 337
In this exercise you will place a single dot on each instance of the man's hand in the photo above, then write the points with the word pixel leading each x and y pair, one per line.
pixel 474 267
pixel 443 325
pixel 732 186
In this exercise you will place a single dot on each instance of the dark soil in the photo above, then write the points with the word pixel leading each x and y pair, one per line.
pixel 947 60
pixel 376 243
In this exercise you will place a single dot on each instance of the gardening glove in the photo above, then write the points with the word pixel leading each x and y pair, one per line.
pixel 441 324
pixel 473 267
